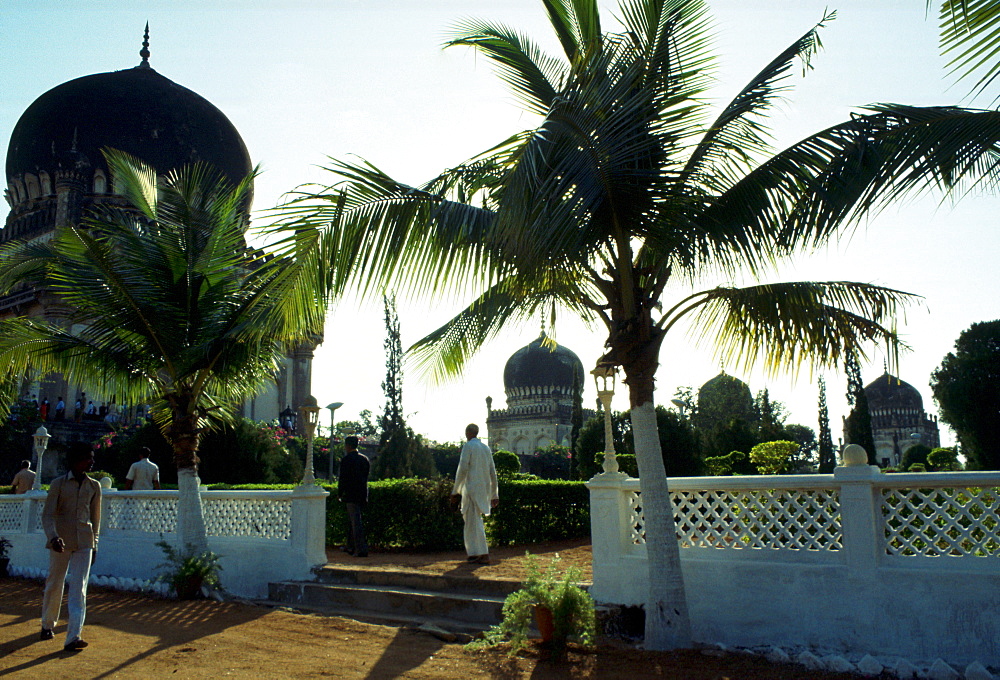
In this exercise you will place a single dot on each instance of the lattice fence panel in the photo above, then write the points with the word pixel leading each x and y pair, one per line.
pixel 249 517
pixel 11 515
pixel 151 515
pixel 795 519
pixel 942 522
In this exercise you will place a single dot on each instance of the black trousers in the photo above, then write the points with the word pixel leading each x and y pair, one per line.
pixel 356 529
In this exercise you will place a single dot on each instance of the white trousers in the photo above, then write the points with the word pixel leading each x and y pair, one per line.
pixel 475 532
pixel 77 563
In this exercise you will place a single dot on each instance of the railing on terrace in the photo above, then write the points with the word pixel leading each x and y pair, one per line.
pixel 915 514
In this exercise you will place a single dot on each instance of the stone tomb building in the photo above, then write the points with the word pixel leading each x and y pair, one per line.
pixel 541 383
pixel 898 419
pixel 56 172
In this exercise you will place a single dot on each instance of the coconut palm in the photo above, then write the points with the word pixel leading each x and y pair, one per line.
pixel 166 306
pixel 970 35
pixel 626 191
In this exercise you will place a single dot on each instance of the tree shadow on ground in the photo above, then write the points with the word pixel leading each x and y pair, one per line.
pixel 171 622
pixel 407 650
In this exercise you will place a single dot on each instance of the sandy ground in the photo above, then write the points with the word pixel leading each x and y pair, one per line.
pixel 135 636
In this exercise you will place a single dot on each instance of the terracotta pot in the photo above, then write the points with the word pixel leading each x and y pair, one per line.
pixel 190 589
pixel 545 622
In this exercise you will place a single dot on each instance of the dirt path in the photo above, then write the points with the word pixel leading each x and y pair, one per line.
pixel 135 636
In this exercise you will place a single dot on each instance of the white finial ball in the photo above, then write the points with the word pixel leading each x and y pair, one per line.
pixel 854 454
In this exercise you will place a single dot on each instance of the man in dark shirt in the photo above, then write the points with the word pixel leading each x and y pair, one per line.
pixel 352 489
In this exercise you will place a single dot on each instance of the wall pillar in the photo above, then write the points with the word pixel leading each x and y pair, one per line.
pixel 309 523
pixel 609 518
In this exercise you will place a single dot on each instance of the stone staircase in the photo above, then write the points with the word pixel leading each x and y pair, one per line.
pixel 460 604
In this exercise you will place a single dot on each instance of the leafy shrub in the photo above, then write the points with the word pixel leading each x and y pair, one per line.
pixel 772 458
pixel 944 459
pixel 415 514
pixel 678 443
pixel 507 463
pixel 627 464
pixel 101 474
pixel 187 571
pixel 721 466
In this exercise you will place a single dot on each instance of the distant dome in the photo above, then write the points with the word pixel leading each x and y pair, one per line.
pixel 538 366
pixel 136 110
pixel 723 398
pixel 889 392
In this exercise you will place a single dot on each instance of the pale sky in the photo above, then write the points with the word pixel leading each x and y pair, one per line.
pixel 305 80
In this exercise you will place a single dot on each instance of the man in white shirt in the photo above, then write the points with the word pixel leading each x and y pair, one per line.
pixel 144 473
pixel 24 479
pixel 476 482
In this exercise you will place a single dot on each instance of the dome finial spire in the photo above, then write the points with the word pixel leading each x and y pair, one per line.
pixel 144 52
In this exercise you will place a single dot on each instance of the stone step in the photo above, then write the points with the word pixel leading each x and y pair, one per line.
pixel 416 580
pixel 469 610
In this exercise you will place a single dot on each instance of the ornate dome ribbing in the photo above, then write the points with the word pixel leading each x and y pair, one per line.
pixel 889 392
pixel 136 110
pixel 536 365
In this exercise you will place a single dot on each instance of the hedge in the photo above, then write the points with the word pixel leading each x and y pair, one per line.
pixel 415 514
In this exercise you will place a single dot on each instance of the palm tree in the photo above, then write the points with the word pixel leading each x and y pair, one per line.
pixel 626 187
pixel 970 35
pixel 168 306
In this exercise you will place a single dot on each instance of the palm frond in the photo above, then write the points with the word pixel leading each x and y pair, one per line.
pixel 443 354
pixel 532 75
pixel 738 135
pixel 822 185
pixel 970 35
pixel 781 326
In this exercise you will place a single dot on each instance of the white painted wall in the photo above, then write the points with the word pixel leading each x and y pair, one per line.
pixel 262 536
pixel 850 597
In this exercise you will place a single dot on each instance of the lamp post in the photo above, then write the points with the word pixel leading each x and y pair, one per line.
pixel 41 438
pixel 287 420
pixel 309 417
pixel 604 377
pixel 681 405
pixel 329 451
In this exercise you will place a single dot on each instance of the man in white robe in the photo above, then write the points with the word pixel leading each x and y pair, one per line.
pixel 476 482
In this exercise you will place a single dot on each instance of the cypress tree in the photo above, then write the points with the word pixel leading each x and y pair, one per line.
pixel 858 426
pixel 827 456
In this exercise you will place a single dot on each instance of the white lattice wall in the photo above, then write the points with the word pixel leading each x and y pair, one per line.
pixel 261 536
pixel 902 564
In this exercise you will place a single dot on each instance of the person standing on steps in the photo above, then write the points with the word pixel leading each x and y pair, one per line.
pixel 352 489
pixel 72 523
pixel 476 484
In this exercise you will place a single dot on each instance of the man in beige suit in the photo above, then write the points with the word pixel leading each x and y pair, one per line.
pixel 72 523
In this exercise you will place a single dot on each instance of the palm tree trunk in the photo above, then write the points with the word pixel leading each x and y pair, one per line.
pixel 668 625
pixel 190 514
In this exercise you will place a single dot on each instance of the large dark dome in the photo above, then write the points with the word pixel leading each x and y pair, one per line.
pixel 889 392
pixel 538 366
pixel 136 110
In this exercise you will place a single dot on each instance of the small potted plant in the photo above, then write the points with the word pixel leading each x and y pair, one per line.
pixel 5 546
pixel 188 571
pixel 560 607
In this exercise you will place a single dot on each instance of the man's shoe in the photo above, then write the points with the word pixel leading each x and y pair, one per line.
pixel 362 555
pixel 76 645
pixel 47 634
pixel 483 559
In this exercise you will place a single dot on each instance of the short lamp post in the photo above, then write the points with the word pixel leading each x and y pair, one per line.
pixel 308 418
pixel 41 438
pixel 333 426
pixel 604 377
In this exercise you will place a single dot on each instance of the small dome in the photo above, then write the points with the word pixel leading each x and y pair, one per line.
pixel 538 366
pixel 136 110
pixel 722 398
pixel 888 392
